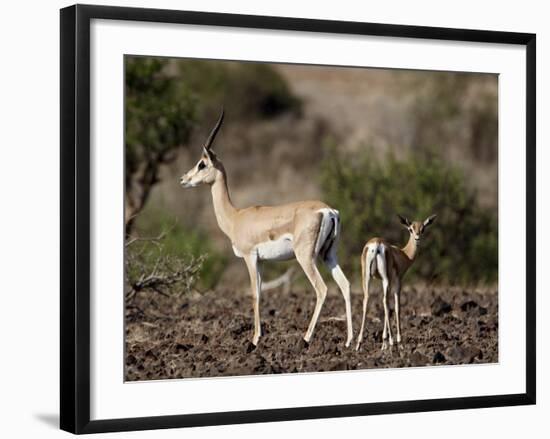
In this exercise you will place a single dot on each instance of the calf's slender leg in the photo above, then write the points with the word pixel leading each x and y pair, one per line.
pixel 365 271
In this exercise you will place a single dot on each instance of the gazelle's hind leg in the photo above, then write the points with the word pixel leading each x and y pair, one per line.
pixel 382 271
pixel 366 262
pixel 397 299
pixel 344 285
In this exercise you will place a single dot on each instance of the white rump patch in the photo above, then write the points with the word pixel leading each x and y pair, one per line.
pixel 280 249
pixel 372 256
pixel 329 227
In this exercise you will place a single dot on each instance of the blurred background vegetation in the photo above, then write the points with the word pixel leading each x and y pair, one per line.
pixel 372 143
pixel 462 246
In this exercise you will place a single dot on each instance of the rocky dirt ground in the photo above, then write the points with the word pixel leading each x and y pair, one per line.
pixel 208 335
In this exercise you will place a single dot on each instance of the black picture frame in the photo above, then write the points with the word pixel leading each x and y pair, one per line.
pixel 75 217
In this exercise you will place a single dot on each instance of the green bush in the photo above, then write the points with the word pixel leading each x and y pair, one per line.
pixel 248 90
pixel 461 246
pixel 159 116
pixel 149 268
pixel 182 242
pixel 160 111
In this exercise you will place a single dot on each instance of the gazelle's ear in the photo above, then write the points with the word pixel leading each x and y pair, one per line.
pixel 404 220
pixel 429 220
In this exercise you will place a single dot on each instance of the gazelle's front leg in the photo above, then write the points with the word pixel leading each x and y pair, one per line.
pixel 397 298
pixel 256 287
pixel 310 269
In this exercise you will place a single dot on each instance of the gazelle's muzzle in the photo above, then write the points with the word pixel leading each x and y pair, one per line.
pixel 186 182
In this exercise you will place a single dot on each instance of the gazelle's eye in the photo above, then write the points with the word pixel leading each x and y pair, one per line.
pixel 202 165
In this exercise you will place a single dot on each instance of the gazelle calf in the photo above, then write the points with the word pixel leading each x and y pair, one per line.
pixel 387 262
pixel 305 231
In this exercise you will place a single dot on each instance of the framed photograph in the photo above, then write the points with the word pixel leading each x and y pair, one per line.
pixel 268 218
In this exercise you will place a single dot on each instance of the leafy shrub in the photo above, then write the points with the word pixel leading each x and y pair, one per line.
pixel 248 90
pixel 159 115
pixel 461 246
pixel 182 242
pixel 150 268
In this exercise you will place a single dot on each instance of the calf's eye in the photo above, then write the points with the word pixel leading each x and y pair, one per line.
pixel 202 165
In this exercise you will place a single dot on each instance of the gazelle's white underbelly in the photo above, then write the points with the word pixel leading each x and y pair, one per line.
pixel 280 249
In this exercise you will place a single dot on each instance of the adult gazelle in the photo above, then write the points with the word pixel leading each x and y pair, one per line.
pixel 307 231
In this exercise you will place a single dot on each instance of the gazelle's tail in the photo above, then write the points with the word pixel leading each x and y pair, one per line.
pixel 328 232
pixel 375 259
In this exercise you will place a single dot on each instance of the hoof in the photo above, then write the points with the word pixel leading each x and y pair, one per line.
pixel 302 345
pixel 250 347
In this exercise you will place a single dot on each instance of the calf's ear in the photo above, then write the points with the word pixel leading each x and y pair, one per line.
pixel 429 220
pixel 404 220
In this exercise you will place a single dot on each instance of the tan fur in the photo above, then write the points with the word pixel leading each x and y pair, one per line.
pixel 252 227
pixel 396 263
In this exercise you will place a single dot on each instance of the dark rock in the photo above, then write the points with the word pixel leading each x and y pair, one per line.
pixel 425 321
pixel 183 347
pixel 272 312
pixel 418 359
pixel 204 338
pixel 241 328
pixel 250 347
pixel 339 365
pixel 337 340
pixel 301 346
pixel 150 354
pixel 466 306
pixel 261 365
pixel 439 357
pixel 471 353
pixel 440 307
pixel 464 354
pixel 473 307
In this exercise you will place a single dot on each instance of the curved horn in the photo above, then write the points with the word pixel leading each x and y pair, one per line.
pixel 213 133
